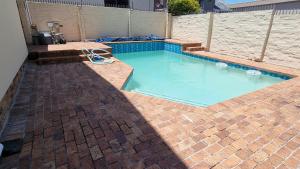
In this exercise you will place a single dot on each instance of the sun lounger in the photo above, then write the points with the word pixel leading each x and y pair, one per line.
pixel 95 57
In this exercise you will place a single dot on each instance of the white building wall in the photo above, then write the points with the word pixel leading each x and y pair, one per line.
pixel 144 5
pixel 12 44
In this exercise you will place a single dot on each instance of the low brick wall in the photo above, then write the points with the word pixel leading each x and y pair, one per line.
pixel 7 100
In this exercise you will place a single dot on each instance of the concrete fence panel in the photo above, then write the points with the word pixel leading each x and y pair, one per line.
pixel 66 15
pixel 240 34
pixel 104 21
pixel 91 22
pixel 191 27
pixel 145 22
pixel 284 43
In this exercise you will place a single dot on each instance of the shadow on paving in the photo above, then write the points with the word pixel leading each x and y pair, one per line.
pixel 74 118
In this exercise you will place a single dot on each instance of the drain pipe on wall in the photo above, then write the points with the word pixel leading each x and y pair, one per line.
pixel 210 29
pixel 263 52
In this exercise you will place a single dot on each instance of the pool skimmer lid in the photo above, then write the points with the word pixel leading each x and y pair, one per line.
pixel 221 65
pixel 253 72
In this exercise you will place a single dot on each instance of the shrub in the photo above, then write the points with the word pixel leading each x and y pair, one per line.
pixel 183 7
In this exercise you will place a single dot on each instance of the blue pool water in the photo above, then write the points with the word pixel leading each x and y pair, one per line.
pixel 172 75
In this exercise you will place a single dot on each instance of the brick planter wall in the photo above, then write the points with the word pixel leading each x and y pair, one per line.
pixel 8 98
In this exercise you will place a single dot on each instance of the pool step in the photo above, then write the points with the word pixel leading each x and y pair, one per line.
pixel 196 48
pixel 185 46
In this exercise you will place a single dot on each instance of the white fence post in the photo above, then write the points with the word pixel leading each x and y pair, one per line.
pixel 129 23
pixel 263 51
pixel 168 25
pixel 210 29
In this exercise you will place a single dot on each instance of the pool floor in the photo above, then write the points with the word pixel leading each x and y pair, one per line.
pixel 187 79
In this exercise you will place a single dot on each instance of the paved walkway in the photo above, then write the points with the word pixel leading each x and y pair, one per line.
pixel 75 116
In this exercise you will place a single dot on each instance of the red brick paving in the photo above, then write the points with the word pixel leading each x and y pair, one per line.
pixel 75 116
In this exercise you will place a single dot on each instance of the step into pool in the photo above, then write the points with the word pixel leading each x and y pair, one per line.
pixel 168 73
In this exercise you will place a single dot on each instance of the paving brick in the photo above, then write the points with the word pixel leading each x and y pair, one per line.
pixel 283 152
pixel 213 159
pixel 123 132
pixel 69 136
pixel 199 156
pixel 243 154
pixel 275 160
pixel 74 162
pixel 96 153
pixel 240 144
pixel 61 157
pixel 87 130
pixel 91 140
pixel 292 163
pixel 199 146
pixel 232 161
pixel 71 147
pixel 226 141
pixel 202 165
pixel 248 164
pixel 86 162
pixel 83 150
pixel 98 132
pixel 260 156
pixel 213 148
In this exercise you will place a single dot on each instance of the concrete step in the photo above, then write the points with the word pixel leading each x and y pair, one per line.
pixel 62 56
pixel 62 53
pixel 69 58
pixel 185 46
pixel 48 54
pixel 61 59
pixel 196 48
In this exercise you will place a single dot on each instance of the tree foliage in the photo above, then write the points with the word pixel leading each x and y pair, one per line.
pixel 183 7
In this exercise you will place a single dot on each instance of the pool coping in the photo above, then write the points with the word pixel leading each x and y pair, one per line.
pixel 293 73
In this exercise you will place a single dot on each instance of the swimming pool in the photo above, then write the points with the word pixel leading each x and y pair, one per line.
pixel 163 70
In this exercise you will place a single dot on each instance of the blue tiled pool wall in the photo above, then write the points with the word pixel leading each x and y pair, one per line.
pixel 176 48
pixel 136 47
pixel 144 46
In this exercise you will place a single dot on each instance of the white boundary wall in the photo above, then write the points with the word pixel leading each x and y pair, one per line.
pixel 104 21
pixel 191 27
pixel 284 43
pixel 91 22
pixel 242 34
pixel 146 22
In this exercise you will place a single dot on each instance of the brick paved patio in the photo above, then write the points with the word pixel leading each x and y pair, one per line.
pixel 74 115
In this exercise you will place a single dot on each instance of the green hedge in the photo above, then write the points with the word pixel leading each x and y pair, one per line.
pixel 183 7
